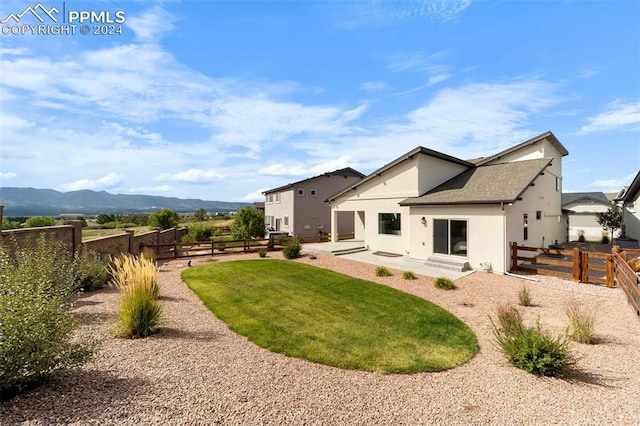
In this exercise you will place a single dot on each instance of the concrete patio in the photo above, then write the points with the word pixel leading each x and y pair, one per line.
pixel 356 250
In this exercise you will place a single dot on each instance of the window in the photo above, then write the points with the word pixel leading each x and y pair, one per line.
pixel 277 197
pixel 313 193
pixel 538 214
pixel 268 220
pixel 450 237
pixel 269 198
pixel 285 221
pixel 300 192
pixel 525 225
pixel 389 223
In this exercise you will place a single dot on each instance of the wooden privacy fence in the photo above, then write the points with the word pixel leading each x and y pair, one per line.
pixel 575 264
pixel 626 278
pixel 579 265
pixel 323 237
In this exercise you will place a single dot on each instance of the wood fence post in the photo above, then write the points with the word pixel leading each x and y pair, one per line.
pixel 610 271
pixel 576 264
pixel 514 256
pixel 584 267
pixel 175 250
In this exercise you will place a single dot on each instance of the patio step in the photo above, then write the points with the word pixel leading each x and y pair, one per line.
pixel 350 250
pixel 448 264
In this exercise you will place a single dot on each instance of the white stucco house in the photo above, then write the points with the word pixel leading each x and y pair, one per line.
pixel 579 211
pixel 630 209
pixel 299 208
pixel 434 207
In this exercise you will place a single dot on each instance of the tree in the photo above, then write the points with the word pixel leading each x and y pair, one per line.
pixel 10 224
pixel 200 215
pixel 610 220
pixel 248 223
pixel 163 219
pixel 106 218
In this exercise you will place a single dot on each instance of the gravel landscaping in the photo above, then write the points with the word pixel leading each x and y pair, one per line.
pixel 196 371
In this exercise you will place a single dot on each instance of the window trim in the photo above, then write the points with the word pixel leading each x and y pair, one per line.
pixel 300 192
pixel 313 192
pixel 278 198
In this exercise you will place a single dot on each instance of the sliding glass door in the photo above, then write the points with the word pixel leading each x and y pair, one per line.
pixel 450 237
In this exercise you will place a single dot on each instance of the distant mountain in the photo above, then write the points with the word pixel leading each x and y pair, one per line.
pixel 47 202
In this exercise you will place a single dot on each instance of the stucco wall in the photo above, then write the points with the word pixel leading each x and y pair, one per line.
pixel 485 233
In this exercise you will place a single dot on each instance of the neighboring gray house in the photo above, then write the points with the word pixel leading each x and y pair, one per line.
pixel 299 208
pixel 630 209
pixel 579 211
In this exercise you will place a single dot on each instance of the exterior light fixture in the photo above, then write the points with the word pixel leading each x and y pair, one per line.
pixel 423 221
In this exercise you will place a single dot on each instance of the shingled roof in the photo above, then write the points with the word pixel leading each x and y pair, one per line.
pixel 346 172
pixel 489 184
pixel 571 197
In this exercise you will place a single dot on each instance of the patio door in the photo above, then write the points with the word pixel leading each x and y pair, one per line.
pixel 450 237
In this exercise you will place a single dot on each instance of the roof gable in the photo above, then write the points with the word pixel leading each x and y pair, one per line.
pixel 631 194
pixel 489 184
pixel 346 172
pixel 395 163
pixel 584 197
pixel 548 136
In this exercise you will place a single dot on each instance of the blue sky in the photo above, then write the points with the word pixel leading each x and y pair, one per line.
pixel 221 100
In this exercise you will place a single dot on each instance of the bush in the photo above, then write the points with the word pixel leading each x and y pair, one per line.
pixel 91 271
pixel 262 252
pixel 581 323
pixel 444 283
pixel 10 224
pixel 198 232
pixel 581 237
pixel 37 338
pixel 534 350
pixel 291 249
pixel 605 239
pixel 509 319
pixel 138 280
pixel 524 296
pixel 408 275
pixel 381 271
pixel 36 222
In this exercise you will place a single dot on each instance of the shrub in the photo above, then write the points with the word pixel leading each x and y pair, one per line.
pixel 534 350
pixel 509 319
pixel 91 270
pixel 581 322
pixel 291 249
pixel 313 257
pixel 198 232
pixel 139 313
pixel 524 296
pixel 381 271
pixel 37 338
pixel 581 237
pixel 36 222
pixel 605 239
pixel 262 252
pixel 444 283
pixel 137 278
pixel 408 275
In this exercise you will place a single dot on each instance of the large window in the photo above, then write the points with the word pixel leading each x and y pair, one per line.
pixel 269 198
pixel 450 237
pixel 389 223
pixel 277 197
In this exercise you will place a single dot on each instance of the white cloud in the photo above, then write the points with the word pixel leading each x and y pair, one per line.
pixel 254 196
pixel 300 169
pixel 377 13
pixel 108 181
pixel 612 185
pixel 151 24
pixel 7 175
pixel 192 176
pixel 617 116
pixel 374 86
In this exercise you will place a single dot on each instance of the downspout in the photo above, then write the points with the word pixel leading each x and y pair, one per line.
pixel 504 239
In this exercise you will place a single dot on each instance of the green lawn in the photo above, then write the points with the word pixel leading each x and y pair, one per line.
pixel 329 318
